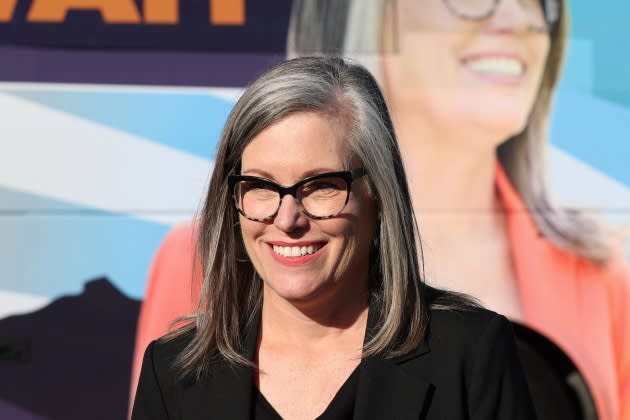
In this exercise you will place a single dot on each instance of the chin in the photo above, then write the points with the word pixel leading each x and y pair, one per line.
pixel 508 128
pixel 500 121
pixel 296 289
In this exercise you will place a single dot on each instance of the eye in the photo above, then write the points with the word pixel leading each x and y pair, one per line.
pixel 256 185
pixel 259 190
pixel 322 188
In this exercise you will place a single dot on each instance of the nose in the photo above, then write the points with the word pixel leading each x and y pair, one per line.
pixel 517 16
pixel 289 216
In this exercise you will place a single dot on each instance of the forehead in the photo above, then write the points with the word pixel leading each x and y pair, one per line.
pixel 304 142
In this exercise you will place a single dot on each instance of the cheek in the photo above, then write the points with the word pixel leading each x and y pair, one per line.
pixel 249 232
pixel 423 70
pixel 423 37
pixel 429 61
pixel 347 232
pixel 540 50
pixel 362 229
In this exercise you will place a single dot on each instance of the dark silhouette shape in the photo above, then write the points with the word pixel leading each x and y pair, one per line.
pixel 71 359
pixel 557 387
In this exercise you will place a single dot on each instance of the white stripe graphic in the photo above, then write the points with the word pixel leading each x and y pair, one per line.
pixel 578 185
pixel 231 94
pixel 61 156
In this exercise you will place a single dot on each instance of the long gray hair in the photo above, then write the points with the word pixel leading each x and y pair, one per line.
pixel 352 28
pixel 232 291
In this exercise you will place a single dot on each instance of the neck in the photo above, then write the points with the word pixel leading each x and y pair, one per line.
pixel 451 177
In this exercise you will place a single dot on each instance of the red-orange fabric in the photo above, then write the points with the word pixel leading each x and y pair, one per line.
pixel 171 291
pixel 583 308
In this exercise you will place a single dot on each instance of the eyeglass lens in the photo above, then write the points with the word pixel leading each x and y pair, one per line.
pixel 321 197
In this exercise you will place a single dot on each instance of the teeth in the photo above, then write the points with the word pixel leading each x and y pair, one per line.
pixel 295 251
pixel 496 65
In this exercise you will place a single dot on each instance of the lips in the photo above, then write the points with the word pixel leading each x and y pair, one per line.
pixel 294 254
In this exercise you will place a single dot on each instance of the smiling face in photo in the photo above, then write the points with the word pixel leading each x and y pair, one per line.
pixel 480 74
pixel 300 258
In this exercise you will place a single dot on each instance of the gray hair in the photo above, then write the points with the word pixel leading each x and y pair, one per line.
pixel 352 28
pixel 232 291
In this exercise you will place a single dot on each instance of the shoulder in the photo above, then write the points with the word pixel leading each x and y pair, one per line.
pixel 459 329
pixel 461 333
pixel 184 232
pixel 617 270
pixel 168 347
pixel 610 280
pixel 179 241
pixel 463 329
pixel 456 317
pixel 159 378
pixel 161 355
pixel 471 359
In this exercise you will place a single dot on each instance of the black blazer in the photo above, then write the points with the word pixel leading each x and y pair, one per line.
pixel 467 368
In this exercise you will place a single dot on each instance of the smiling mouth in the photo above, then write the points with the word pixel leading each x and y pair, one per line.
pixel 496 66
pixel 296 251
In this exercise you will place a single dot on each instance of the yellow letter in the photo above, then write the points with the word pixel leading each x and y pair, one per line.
pixel 112 11
pixel 227 12
pixel 161 11
pixel 7 8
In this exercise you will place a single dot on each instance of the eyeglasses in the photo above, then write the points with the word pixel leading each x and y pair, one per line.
pixel 543 13
pixel 319 197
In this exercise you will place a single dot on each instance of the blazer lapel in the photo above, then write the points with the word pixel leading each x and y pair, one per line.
pixel 226 391
pixel 391 388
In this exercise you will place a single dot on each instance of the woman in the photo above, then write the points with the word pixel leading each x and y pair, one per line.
pixel 312 300
pixel 470 86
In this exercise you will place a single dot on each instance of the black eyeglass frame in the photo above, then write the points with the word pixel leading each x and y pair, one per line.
pixel 550 8
pixel 348 176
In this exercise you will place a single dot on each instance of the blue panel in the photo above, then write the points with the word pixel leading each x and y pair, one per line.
pixel 54 248
pixel 605 24
pixel 578 68
pixel 185 121
pixel 594 131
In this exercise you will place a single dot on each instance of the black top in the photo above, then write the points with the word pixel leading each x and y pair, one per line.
pixel 340 408
pixel 467 368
